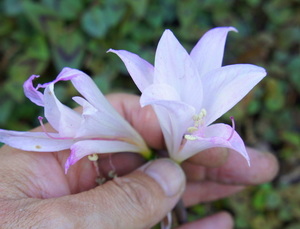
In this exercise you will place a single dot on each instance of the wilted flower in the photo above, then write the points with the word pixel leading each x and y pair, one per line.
pixel 190 91
pixel 99 128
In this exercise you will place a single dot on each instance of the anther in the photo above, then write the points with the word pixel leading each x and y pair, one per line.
pixel 203 112
pixel 192 129
pixel 93 157
pixel 190 137
pixel 196 118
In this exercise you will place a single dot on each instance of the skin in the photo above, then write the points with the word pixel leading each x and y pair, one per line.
pixel 35 192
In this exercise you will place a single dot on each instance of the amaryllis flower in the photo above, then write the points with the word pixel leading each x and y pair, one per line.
pixel 190 91
pixel 99 128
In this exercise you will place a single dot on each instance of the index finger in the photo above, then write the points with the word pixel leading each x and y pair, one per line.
pixel 264 167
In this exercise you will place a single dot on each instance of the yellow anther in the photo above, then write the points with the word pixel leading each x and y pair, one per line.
pixel 190 137
pixel 202 114
pixel 196 118
pixel 192 129
pixel 93 157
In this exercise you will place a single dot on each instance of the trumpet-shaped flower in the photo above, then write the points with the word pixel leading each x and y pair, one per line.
pixel 99 128
pixel 190 91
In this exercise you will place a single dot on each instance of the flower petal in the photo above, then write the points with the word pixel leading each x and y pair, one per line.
pixel 217 135
pixel 97 124
pixel 174 66
pixel 87 147
pixel 208 52
pixel 37 97
pixel 139 69
pixel 66 74
pixel 159 92
pixel 62 118
pixel 226 86
pixel 174 116
pixel 89 90
pixel 32 93
pixel 34 141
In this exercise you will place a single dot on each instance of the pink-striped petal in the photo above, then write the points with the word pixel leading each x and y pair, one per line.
pixel 87 147
pixel 216 135
pixel 32 93
pixel 34 141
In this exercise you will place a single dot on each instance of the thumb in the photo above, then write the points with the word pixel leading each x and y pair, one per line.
pixel 138 200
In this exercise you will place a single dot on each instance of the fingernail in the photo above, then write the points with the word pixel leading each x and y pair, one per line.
pixel 167 174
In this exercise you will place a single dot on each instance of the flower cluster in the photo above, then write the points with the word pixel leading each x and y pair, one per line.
pixel 187 91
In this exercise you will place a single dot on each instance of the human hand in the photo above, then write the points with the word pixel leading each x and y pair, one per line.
pixel 34 191
pixel 212 174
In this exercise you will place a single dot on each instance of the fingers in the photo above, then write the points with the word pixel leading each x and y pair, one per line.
pixel 138 200
pixel 264 167
pixel 143 119
pixel 213 157
pixel 207 191
pixel 221 220
pixel 82 176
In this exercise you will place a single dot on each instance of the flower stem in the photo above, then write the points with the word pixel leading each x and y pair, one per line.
pixel 180 213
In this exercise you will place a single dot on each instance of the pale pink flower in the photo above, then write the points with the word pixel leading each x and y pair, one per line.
pixel 99 128
pixel 190 91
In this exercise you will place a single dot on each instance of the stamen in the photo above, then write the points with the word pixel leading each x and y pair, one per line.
pixel 233 128
pixel 196 118
pixel 112 164
pixel 190 137
pixel 198 122
pixel 166 223
pixel 93 157
pixel 192 129
pixel 40 118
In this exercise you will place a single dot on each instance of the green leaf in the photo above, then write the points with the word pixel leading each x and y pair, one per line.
pixel 6 25
pixel 114 11
pixel 38 48
pixel 275 97
pixel 6 110
pixel 33 60
pixel 14 90
pixel 94 22
pixel 139 7
pixel 66 9
pixel 97 20
pixel 292 138
pixel 40 16
pixel 294 72
pixel 68 50
pixel 12 7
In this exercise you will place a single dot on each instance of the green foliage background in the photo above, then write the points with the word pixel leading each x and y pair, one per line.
pixel 41 37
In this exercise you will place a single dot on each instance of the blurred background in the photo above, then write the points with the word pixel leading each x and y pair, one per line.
pixel 42 36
